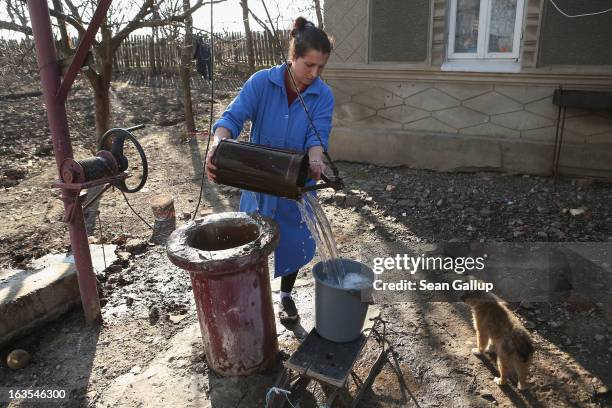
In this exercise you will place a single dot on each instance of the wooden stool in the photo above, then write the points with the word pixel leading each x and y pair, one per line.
pixel 330 364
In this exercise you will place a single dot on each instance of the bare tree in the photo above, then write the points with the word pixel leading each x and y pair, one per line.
pixel 18 20
pixel 66 44
pixel 122 19
pixel 248 34
pixel 317 4
pixel 185 70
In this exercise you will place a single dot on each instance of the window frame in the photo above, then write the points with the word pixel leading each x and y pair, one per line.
pixel 482 53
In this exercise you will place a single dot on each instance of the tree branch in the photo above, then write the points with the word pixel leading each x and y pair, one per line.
pixel 19 11
pixel 260 22
pixel 65 43
pixel 196 6
pixel 139 22
pixel 147 7
pixel 74 11
pixel 68 19
pixel 9 25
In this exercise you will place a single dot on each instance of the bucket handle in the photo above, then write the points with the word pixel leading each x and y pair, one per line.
pixel 336 184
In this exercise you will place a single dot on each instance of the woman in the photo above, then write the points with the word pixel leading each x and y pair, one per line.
pixel 269 99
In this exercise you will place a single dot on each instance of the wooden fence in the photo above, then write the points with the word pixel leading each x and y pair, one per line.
pixel 146 52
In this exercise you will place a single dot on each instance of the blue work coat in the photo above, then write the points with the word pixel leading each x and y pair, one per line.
pixel 263 100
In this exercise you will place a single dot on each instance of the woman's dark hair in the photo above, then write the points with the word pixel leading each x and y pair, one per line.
pixel 306 36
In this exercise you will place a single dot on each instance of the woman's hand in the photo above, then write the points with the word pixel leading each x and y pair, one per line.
pixel 220 134
pixel 315 160
pixel 210 168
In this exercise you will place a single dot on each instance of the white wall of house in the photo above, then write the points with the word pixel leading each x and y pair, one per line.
pixel 418 114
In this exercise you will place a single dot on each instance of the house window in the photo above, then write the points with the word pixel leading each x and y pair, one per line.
pixel 485 30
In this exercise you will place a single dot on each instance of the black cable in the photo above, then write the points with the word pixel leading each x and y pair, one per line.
pixel 212 105
pixel 134 211
pixel 299 94
pixel 101 238
pixel 93 200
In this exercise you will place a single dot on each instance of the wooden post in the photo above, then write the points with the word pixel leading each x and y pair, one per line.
pixel 126 52
pixel 153 67
pixel 143 49
pixel 267 48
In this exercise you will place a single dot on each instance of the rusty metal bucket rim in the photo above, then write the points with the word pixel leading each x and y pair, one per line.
pixel 225 261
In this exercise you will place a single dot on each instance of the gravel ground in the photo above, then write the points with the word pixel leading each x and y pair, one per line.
pixel 148 306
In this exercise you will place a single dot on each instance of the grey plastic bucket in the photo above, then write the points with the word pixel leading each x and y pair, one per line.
pixel 340 312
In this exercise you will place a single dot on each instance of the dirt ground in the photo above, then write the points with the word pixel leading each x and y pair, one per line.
pixel 148 350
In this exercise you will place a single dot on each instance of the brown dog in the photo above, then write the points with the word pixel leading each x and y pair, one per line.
pixel 499 331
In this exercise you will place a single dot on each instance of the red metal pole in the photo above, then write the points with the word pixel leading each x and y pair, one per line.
pixel 60 136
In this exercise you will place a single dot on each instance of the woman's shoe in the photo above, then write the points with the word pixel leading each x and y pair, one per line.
pixel 287 311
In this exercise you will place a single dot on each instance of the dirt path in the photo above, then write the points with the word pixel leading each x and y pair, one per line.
pixel 148 351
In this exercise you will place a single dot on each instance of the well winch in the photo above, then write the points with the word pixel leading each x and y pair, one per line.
pixel 108 166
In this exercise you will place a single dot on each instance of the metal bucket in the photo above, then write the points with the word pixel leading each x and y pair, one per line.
pixel 263 169
pixel 340 312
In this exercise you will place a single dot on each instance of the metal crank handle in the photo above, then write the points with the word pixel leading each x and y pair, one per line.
pixel 136 127
pixel 336 184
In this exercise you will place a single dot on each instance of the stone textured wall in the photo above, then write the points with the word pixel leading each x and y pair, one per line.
pixel 347 22
pixel 506 111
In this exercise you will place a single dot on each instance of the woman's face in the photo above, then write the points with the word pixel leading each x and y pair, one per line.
pixel 308 67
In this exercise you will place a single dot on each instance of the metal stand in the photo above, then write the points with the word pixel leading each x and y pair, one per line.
pixel 331 364
pixel 55 92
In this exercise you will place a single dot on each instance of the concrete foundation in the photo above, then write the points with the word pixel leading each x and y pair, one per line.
pixel 29 298
pixel 448 152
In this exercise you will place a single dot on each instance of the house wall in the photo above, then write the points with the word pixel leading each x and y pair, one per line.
pixel 349 19
pixel 399 30
pixel 414 114
pixel 579 41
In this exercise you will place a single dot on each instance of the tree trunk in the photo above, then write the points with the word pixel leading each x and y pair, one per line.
pixel 101 84
pixel 319 13
pixel 248 34
pixel 102 105
pixel 64 39
pixel 102 101
pixel 185 71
